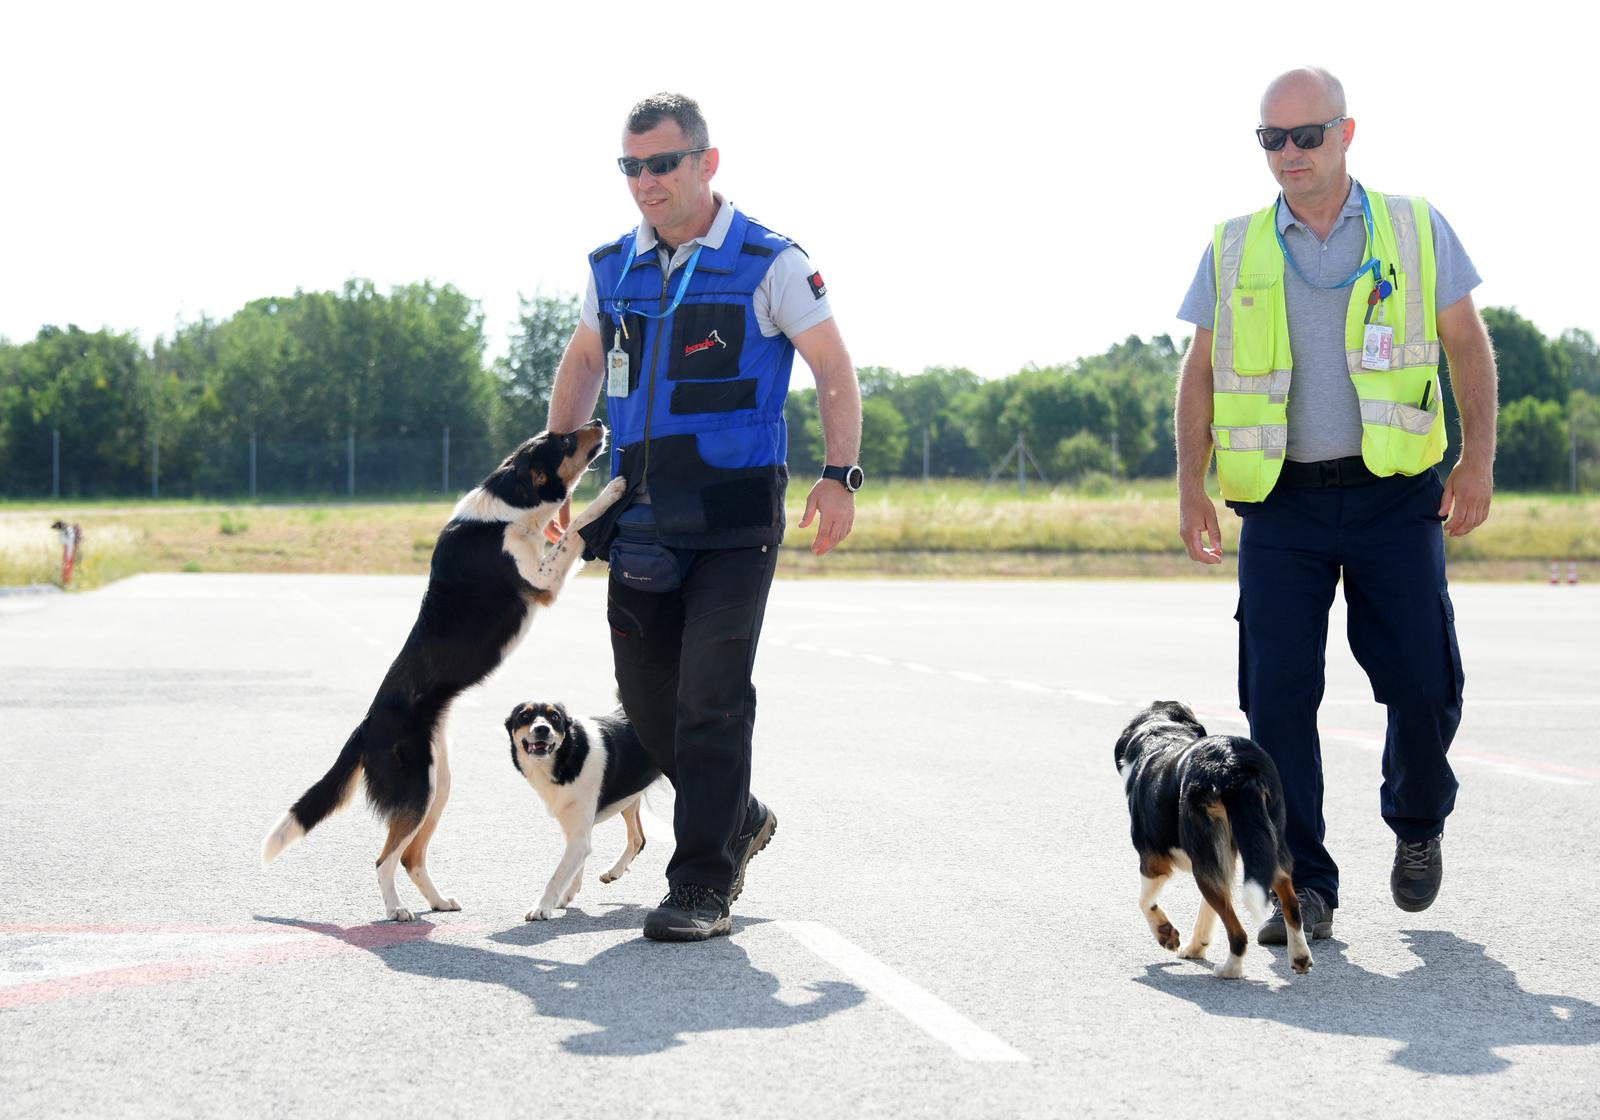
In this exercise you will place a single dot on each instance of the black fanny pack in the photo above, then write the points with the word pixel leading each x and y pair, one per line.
pixel 638 558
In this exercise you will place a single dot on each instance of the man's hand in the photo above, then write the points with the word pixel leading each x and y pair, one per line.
pixel 1467 493
pixel 557 527
pixel 1197 521
pixel 837 507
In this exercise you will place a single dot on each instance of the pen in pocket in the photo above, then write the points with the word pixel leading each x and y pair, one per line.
pixel 1426 389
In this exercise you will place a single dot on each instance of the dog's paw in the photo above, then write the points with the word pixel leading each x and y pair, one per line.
pixel 1302 965
pixel 541 914
pixel 448 904
pixel 401 914
pixel 602 502
pixel 607 877
pixel 1232 970
pixel 1194 951
pixel 1167 935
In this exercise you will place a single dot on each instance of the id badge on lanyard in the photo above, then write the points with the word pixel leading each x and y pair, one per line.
pixel 617 365
pixel 1377 339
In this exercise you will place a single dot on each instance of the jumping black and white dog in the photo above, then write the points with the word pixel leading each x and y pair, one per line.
pixel 1198 802
pixel 490 570
pixel 585 770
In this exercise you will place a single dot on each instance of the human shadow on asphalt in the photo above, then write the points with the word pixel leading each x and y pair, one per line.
pixel 1452 1012
pixel 643 996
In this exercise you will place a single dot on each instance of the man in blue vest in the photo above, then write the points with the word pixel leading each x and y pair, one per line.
pixel 692 321
pixel 1341 507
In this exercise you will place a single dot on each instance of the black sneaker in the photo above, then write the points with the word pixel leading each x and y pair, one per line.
pixel 1418 871
pixel 1316 920
pixel 689 913
pixel 747 844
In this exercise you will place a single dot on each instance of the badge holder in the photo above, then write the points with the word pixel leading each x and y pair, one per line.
pixel 1377 339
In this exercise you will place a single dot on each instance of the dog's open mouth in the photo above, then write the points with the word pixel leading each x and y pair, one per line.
pixel 538 748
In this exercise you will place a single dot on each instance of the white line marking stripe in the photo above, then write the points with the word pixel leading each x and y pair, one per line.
pixel 942 1022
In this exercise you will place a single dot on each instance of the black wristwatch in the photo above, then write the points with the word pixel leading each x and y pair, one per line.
pixel 849 477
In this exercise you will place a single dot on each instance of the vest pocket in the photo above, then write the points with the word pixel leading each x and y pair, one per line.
pixel 706 341
pixel 1408 440
pixel 1257 315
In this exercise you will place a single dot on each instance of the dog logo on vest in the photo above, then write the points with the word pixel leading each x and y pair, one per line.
pixel 712 339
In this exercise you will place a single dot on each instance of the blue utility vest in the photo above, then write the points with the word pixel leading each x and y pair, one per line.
pixel 702 422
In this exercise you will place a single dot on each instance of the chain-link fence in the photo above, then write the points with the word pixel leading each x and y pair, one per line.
pixel 44 464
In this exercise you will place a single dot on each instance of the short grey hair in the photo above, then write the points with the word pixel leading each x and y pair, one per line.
pixel 677 107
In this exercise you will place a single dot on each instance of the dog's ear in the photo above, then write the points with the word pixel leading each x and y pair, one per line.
pixel 511 720
pixel 529 472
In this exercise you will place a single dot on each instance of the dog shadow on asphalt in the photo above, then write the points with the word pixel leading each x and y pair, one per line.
pixel 1452 1012
pixel 639 1004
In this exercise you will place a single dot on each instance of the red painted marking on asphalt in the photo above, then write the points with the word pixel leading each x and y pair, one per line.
pixel 320 940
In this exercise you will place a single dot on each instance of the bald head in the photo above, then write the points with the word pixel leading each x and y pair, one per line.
pixel 1309 85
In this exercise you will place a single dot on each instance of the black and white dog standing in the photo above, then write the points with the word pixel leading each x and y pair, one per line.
pixel 1198 802
pixel 490 571
pixel 585 770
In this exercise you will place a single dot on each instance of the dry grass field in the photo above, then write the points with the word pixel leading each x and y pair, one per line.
pixel 903 528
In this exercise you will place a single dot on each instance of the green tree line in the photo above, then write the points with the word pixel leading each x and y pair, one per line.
pixel 300 379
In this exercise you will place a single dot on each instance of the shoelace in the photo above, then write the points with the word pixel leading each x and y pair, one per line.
pixel 689 896
pixel 1414 856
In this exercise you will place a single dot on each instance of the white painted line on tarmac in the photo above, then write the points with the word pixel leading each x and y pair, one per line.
pixel 1551 774
pixel 927 1011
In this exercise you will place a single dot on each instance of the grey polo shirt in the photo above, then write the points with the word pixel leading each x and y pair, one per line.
pixel 785 302
pixel 1324 414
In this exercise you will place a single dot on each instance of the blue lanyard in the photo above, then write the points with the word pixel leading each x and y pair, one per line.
pixel 683 285
pixel 1373 265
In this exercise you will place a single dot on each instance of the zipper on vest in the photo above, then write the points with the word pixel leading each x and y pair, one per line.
pixel 650 394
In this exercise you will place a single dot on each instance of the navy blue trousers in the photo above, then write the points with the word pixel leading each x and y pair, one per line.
pixel 683 661
pixel 1385 539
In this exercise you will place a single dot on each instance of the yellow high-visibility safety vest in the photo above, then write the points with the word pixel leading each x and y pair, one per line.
pixel 1251 363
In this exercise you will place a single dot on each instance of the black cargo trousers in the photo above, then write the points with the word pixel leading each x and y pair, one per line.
pixel 683 662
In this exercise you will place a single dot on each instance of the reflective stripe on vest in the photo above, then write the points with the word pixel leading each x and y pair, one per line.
pixel 1252 363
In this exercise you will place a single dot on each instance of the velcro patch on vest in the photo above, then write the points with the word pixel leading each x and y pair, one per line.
pixel 691 397
pixel 818 287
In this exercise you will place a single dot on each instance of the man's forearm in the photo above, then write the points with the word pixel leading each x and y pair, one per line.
pixel 1473 380
pixel 577 385
pixel 839 403
pixel 1192 415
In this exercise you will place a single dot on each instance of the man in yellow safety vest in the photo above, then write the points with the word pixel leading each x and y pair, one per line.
pixel 1313 375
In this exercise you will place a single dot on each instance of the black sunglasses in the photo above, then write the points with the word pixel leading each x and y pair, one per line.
pixel 663 164
pixel 1305 136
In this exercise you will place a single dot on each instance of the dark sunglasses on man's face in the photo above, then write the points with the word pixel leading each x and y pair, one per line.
pixel 1305 136
pixel 663 164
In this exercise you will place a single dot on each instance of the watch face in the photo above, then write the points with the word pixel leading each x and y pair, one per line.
pixel 853 478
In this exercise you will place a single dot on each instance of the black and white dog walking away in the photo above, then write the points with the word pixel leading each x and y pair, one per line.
pixel 1199 802
pixel 586 770
pixel 489 571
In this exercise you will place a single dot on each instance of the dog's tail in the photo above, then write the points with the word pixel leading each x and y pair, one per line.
pixel 327 796
pixel 1255 813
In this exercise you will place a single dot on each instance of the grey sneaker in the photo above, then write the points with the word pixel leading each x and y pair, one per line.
pixel 689 913
pixel 747 844
pixel 1316 920
pixel 1418 872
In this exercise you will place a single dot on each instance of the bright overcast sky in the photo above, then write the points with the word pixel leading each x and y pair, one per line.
pixel 980 184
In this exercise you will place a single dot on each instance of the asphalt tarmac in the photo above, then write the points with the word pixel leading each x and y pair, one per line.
pixel 946 924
